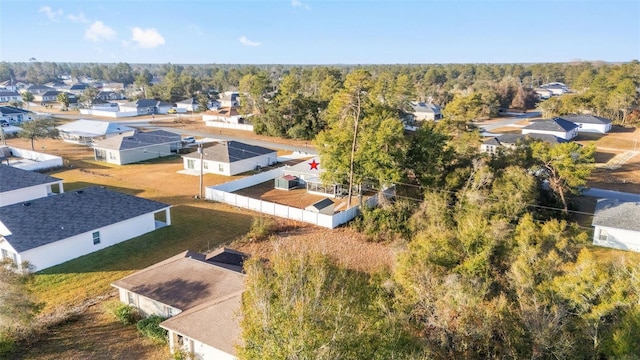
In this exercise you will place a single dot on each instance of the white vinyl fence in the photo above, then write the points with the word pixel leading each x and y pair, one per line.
pixel 108 113
pixel 220 124
pixel 223 193
pixel 33 160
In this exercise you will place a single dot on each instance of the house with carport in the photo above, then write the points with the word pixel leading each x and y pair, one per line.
pixel 18 186
pixel 199 294
pixel 307 174
pixel 617 224
pixel 558 127
pixel 139 146
pixel 589 123
pixel 229 158
pixel 52 230
pixel 85 132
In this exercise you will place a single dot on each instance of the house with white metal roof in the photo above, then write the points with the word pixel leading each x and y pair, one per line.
pixel 85 132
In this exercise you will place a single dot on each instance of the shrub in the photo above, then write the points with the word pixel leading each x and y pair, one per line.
pixel 150 327
pixel 7 345
pixel 126 314
pixel 262 228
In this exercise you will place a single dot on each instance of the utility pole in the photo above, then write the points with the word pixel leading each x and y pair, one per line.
pixel 201 152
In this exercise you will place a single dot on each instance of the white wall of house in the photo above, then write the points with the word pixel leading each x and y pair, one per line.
pixel 122 157
pixel 187 107
pixel 25 194
pixel 147 306
pixel 75 246
pixel 616 238
pixel 234 119
pixel 199 350
pixel 597 128
pixel 561 134
pixel 6 250
pixel 229 169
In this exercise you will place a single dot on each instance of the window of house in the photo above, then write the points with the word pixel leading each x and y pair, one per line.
pixel 5 254
pixel 131 298
pixel 112 155
pixel 191 164
pixel 205 164
pixel 603 235
pixel 220 167
pixel 96 238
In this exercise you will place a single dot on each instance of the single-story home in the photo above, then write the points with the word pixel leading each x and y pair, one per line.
pixel 225 115
pixel 19 185
pixel 200 295
pixel 15 115
pixel 87 131
pixel 543 93
pixel 590 123
pixel 190 104
pixel 146 107
pixel 54 229
pixel 308 174
pixel 138 146
pixel 426 111
pixel 229 99
pixel 492 144
pixel 6 96
pixel 559 127
pixel 617 224
pixel 38 89
pixel 230 158
pixel 47 96
pixel 109 95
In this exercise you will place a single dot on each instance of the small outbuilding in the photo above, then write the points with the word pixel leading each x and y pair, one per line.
pixel 286 182
pixel 324 206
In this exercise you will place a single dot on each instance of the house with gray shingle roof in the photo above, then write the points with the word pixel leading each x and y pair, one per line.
pixel 557 127
pixel 190 104
pixel 492 144
pixel 14 115
pixel 617 224
pixel 589 123
pixel 199 294
pixel 146 107
pixel 137 146
pixel 6 96
pixel 426 111
pixel 19 185
pixel 229 158
pixel 54 229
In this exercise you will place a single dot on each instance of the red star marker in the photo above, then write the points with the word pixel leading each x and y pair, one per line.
pixel 314 164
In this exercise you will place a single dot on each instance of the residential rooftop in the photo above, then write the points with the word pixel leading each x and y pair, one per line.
pixel 230 151
pixel 618 214
pixel 13 178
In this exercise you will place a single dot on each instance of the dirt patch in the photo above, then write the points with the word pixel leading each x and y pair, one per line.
pixel 344 245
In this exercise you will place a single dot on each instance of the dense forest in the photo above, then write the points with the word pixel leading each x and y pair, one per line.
pixel 490 263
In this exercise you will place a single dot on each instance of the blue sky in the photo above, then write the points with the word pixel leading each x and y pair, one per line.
pixel 319 32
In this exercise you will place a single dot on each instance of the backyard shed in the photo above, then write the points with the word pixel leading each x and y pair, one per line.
pixel 286 182
pixel 324 206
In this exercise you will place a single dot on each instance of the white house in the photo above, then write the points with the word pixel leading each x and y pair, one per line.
pixel 492 144
pixel 226 115
pixel 229 99
pixel 543 93
pixel 145 107
pixel 6 96
pixel 617 224
pixel 199 294
pixel 87 131
pixel 557 127
pixel 426 111
pixel 139 146
pixel 590 123
pixel 230 158
pixel 14 115
pixel 51 230
pixel 308 175
pixel 190 104
pixel 19 185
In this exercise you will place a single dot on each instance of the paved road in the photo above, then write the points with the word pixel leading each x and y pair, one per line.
pixel 508 121
pixel 611 194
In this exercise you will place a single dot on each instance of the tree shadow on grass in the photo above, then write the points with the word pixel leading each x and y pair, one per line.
pixel 75 185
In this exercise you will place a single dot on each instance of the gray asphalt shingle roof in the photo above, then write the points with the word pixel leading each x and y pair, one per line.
pixel 514 138
pixel 617 214
pixel 586 119
pixel 231 151
pixel 50 219
pixel 8 93
pixel 6 110
pixel 555 124
pixel 13 178
pixel 138 140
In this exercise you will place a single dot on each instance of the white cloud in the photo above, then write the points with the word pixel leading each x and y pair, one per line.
pixel 53 15
pixel 99 31
pixel 80 18
pixel 246 42
pixel 298 3
pixel 146 38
